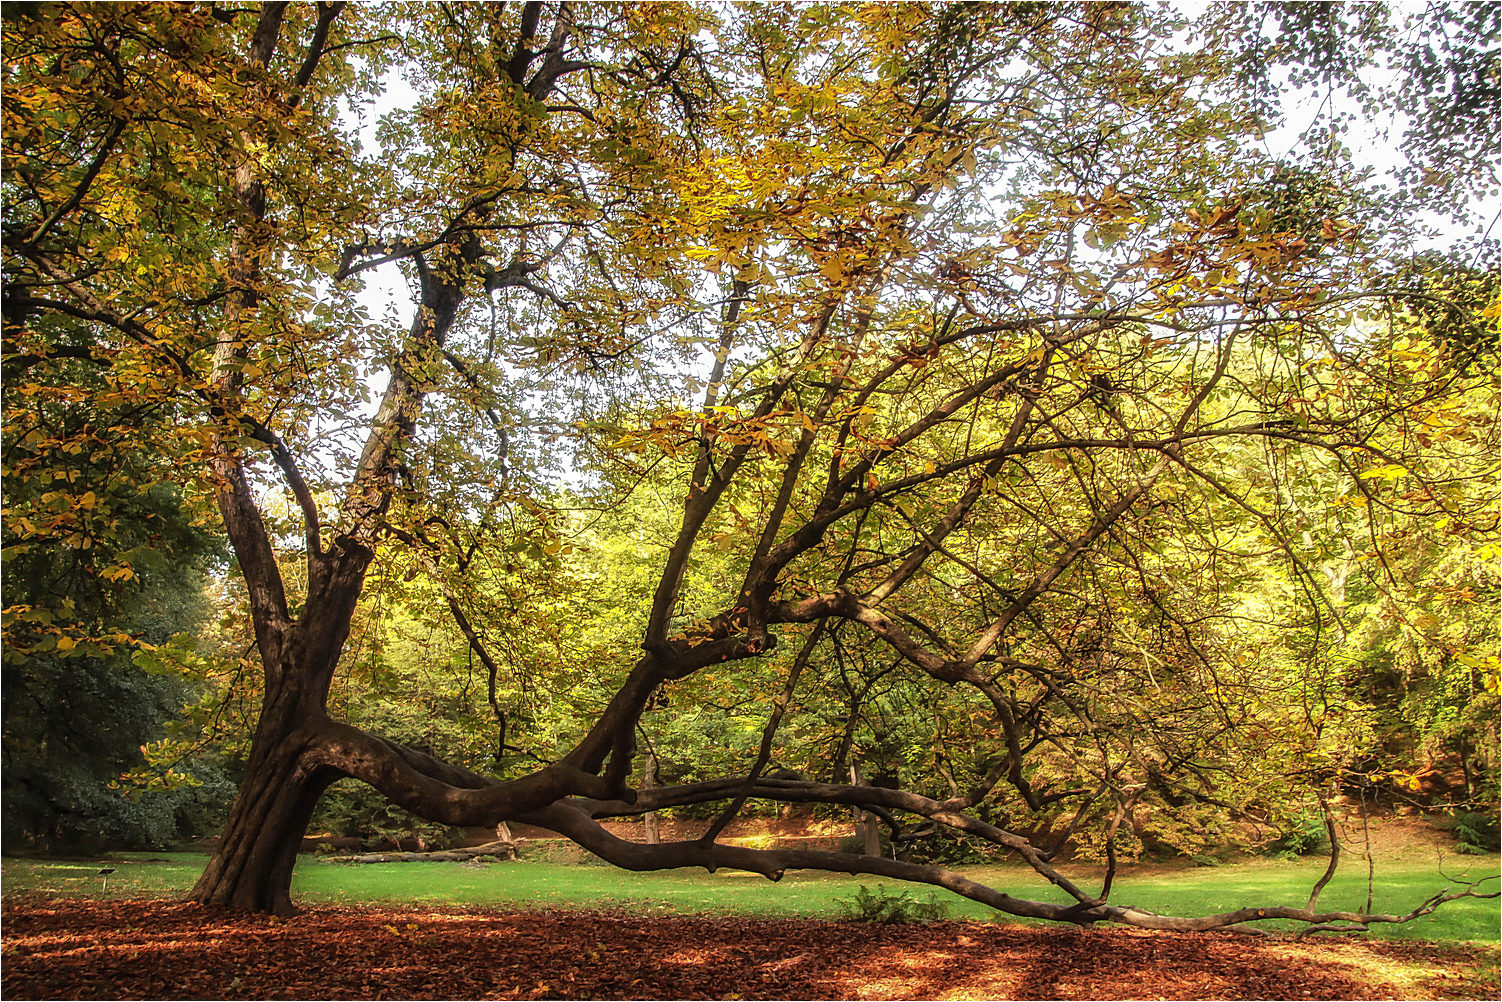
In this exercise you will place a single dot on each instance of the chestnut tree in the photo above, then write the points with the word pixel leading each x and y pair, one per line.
pixel 990 334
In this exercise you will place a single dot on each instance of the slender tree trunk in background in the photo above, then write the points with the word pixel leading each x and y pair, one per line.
pixel 871 831
pixel 649 780
pixel 867 825
pixel 847 737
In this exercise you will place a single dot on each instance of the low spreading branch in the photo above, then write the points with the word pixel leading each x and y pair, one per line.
pixel 574 822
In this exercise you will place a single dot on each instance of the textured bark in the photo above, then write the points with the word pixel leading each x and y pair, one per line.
pixel 251 868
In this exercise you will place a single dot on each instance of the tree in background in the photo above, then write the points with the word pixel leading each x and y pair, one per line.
pixel 101 559
pixel 961 330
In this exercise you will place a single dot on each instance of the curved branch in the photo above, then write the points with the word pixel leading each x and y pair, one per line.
pixel 803 791
pixel 574 822
pixel 435 789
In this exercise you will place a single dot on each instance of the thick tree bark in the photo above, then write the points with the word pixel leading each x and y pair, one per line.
pixel 251 868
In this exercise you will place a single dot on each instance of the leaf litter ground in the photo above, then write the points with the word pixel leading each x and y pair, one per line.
pixel 167 949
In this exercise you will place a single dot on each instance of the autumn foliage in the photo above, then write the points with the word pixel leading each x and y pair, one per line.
pixel 957 394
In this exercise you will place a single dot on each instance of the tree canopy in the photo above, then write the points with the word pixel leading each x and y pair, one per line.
pixel 965 392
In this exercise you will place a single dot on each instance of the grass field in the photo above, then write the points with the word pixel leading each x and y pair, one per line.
pixel 536 884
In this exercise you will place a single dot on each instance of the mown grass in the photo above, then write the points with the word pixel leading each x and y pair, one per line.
pixel 1399 887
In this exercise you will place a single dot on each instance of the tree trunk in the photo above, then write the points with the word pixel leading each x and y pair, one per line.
pixel 870 827
pixel 1465 769
pixel 867 825
pixel 649 820
pixel 251 868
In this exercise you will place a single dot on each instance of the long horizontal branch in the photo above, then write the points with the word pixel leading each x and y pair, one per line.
pixel 574 822
pixel 803 791
pixel 552 798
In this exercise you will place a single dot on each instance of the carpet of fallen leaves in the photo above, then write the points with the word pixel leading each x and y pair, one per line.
pixel 166 949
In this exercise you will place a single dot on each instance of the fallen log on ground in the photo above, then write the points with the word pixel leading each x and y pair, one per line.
pixel 499 849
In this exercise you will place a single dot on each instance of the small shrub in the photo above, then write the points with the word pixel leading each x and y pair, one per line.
pixel 889 909
pixel 851 845
pixel 1476 833
pixel 948 848
pixel 1304 834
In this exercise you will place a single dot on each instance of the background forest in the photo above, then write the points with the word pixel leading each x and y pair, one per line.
pixel 960 398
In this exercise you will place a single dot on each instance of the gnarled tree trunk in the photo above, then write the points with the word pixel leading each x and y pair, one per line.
pixel 251 867
pixel 296 750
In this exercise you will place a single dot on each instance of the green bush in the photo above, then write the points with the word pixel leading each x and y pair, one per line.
pixel 1302 834
pixel 352 809
pixel 888 909
pixel 948 848
pixel 1476 833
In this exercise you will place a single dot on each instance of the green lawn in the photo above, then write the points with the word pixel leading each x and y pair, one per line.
pixel 537 884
